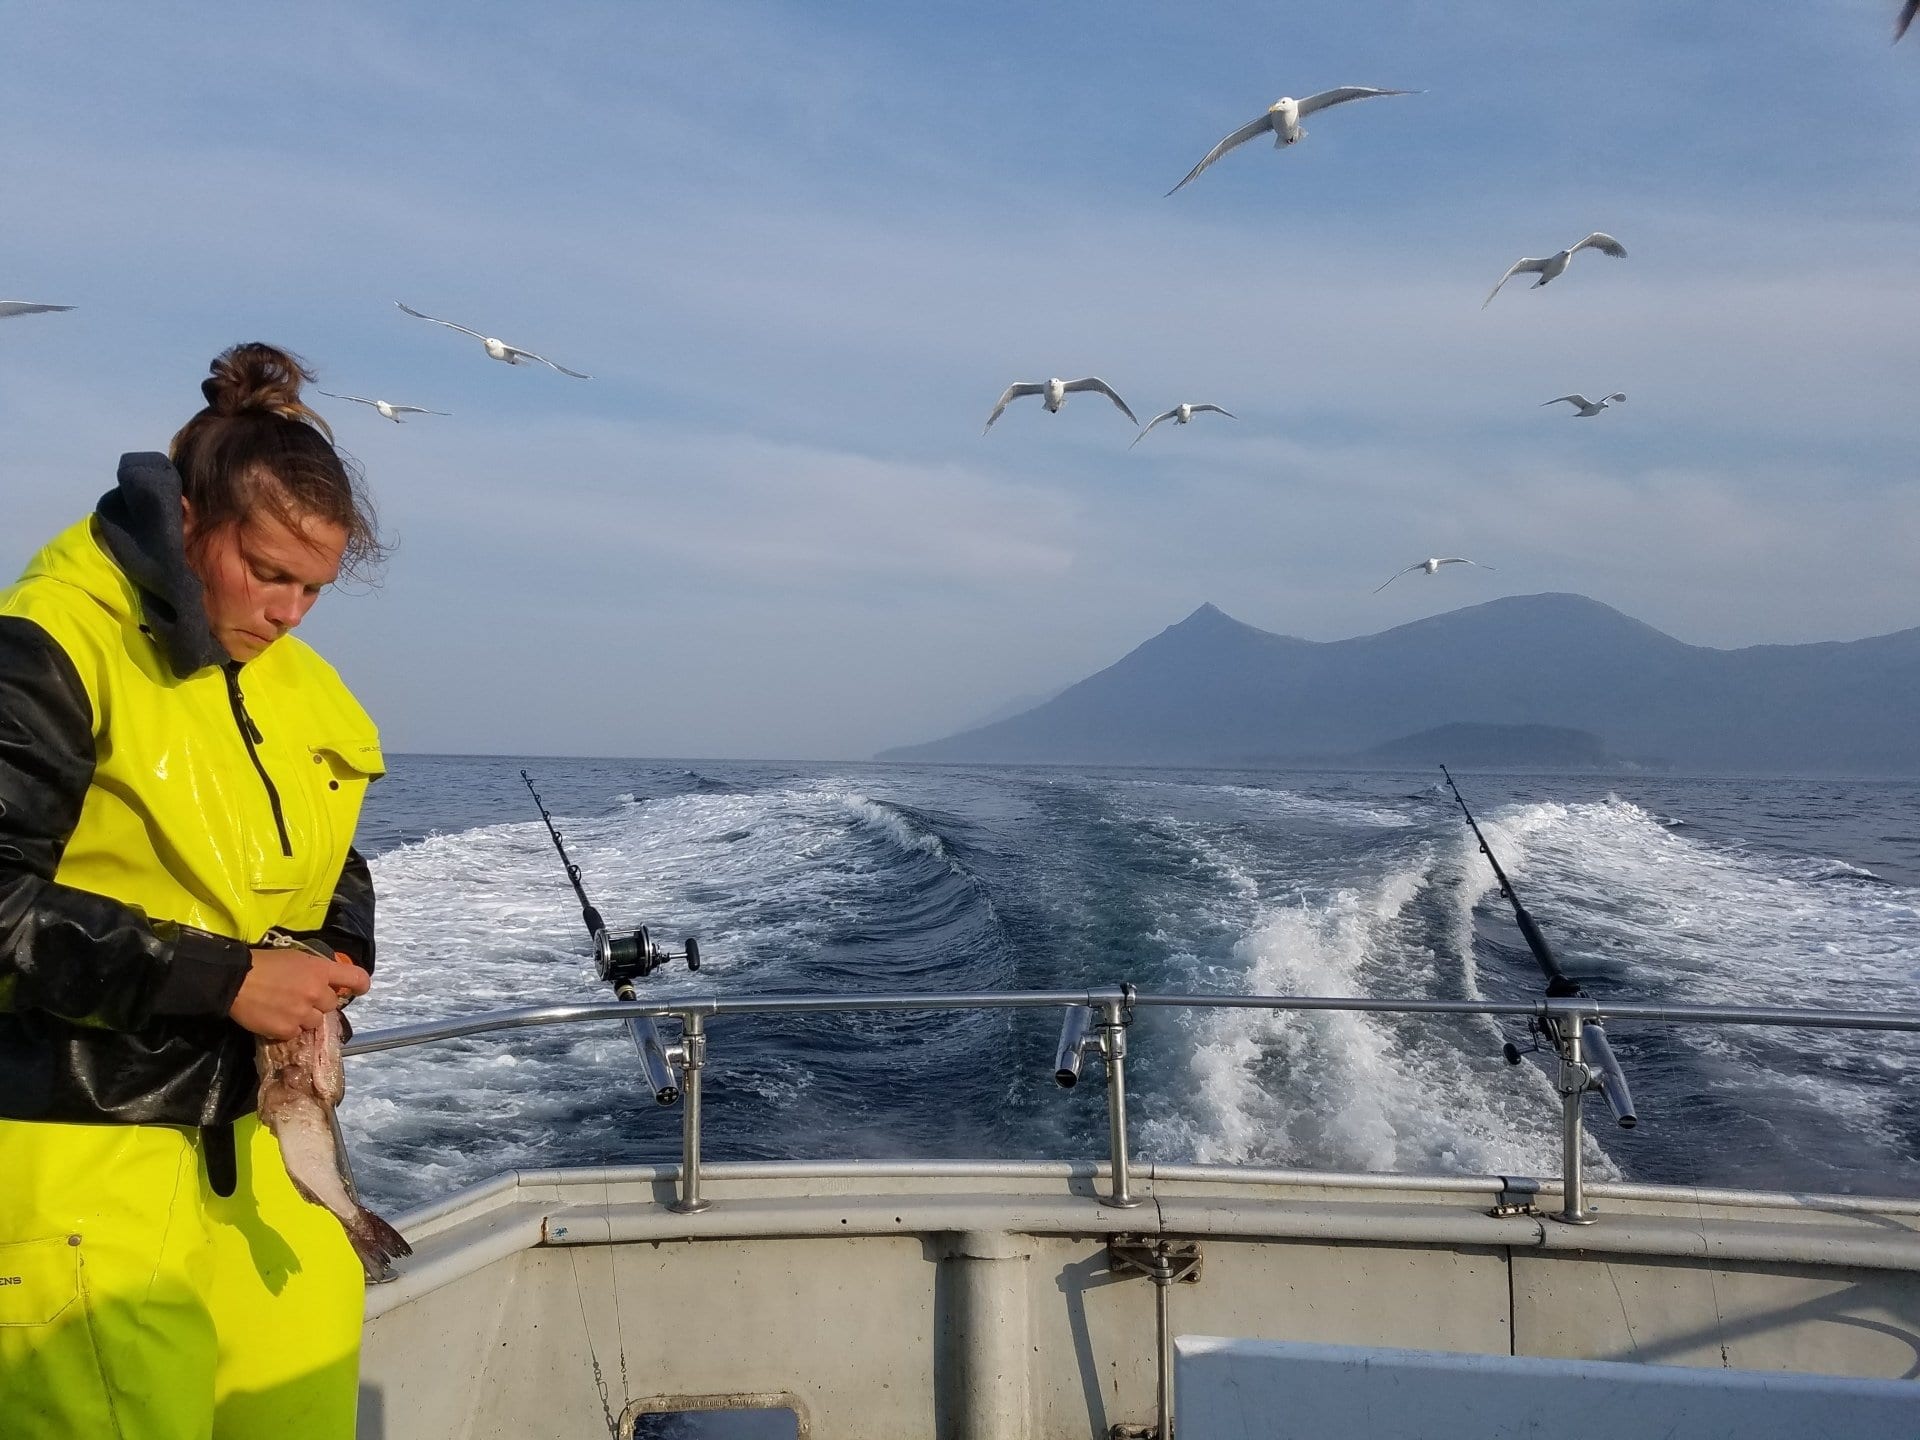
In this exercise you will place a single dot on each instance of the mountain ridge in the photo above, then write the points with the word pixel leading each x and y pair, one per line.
pixel 1212 689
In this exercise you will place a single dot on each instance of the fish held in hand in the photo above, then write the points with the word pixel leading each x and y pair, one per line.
pixel 301 1081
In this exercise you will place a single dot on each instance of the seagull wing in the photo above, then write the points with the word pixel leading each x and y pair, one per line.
pixel 416 410
pixel 1461 560
pixel 551 365
pixel 1239 137
pixel 1517 267
pixel 1094 383
pixel 357 399
pixel 1396 575
pixel 1216 410
pixel 1580 400
pixel 1171 413
pixel 448 323
pixel 1906 18
pixel 1621 394
pixel 1014 392
pixel 27 307
pixel 1344 93
pixel 1604 243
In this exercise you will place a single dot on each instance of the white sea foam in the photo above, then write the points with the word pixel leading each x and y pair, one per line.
pixel 485 919
pixel 1671 917
pixel 894 825
pixel 1348 1090
pixel 1719 923
pixel 1289 802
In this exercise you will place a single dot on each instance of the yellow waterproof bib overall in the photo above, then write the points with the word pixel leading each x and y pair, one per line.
pixel 136 1303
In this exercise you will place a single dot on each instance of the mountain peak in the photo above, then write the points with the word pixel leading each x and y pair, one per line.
pixel 1211 621
pixel 1208 614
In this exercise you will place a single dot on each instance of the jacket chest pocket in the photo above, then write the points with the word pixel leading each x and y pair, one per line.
pixel 319 805
pixel 342 770
pixel 282 854
pixel 338 773
pixel 317 801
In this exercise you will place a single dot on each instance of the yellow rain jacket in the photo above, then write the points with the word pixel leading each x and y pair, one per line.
pixel 161 809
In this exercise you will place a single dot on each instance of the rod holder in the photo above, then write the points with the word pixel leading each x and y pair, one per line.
pixel 657 1059
pixel 693 1060
pixel 1076 1038
pixel 1609 1078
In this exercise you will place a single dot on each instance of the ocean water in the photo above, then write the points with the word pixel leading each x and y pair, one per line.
pixel 865 877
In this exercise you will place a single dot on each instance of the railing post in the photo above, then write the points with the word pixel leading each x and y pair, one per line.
pixel 1115 1015
pixel 1574 1080
pixel 1163 1408
pixel 1166 1263
pixel 693 1040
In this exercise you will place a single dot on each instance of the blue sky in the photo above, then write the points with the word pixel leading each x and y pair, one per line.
pixel 803 248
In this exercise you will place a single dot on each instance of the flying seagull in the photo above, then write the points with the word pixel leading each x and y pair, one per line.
pixel 498 349
pixel 1056 392
pixel 387 408
pixel 10 308
pixel 1430 566
pixel 1181 415
pixel 1283 119
pixel 1906 18
pixel 1556 265
pixel 1589 408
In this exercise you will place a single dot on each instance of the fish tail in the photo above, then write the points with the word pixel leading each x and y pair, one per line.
pixel 377 1244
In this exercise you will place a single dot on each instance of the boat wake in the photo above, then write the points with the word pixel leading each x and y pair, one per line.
pixel 902 880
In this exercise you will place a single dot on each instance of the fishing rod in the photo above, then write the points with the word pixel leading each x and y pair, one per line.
pixel 1607 1075
pixel 621 960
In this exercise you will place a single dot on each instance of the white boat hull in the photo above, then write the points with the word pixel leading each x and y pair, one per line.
pixel 956 1300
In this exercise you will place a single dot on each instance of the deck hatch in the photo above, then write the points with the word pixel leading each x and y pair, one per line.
pixel 760 1415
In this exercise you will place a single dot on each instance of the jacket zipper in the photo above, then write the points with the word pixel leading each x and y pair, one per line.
pixel 250 733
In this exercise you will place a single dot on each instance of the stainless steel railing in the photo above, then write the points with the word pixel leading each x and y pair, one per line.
pixel 1096 1023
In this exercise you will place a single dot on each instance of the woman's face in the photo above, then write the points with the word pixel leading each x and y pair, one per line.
pixel 262 576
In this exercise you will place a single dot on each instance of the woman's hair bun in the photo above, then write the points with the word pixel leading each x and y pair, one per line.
pixel 254 379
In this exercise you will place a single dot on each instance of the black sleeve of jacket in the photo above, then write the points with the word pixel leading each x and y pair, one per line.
pixel 71 953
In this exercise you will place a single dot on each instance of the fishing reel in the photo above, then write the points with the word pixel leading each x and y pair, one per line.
pixel 624 958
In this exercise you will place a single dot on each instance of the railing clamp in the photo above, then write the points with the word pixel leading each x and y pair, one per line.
pixel 1165 1262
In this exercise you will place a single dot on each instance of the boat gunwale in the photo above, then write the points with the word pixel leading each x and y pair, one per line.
pixel 429 1215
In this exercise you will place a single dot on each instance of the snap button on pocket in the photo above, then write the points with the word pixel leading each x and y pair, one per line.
pixel 39 1279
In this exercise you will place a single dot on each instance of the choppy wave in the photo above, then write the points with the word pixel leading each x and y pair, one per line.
pixel 897 823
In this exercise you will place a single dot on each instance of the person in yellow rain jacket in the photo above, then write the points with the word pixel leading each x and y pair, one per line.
pixel 179 776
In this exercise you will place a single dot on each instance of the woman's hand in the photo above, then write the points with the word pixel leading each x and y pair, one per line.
pixel 291 990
